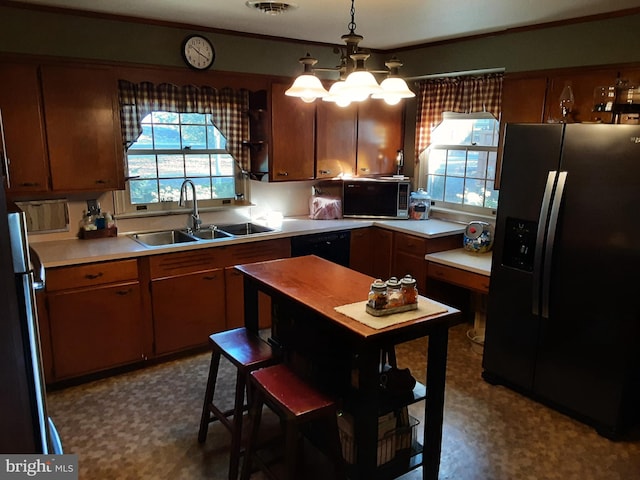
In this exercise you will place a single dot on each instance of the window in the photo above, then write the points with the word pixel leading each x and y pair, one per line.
pixel 174 147
pixel 173 133
pixel 461 162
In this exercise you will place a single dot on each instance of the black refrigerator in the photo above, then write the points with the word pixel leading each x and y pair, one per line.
pixel 25 426
pixel 563 315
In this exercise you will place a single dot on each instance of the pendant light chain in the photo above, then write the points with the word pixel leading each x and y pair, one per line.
pixel 352 24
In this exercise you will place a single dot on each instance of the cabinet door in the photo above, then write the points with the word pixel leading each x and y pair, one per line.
pixel 335 140
pixel 583 84
pixel 187 309
pixel 83 128
pixel 522 101
pixel 95 329
pixel 380 136
pixel 20 107
pixel 293 137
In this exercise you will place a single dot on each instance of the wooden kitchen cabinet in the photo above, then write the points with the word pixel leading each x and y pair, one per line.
pixel 83 128
pixel 95 317
pixel 371 251
pixel 22 123
pixel 380 136
pixel 336 140
pixel 409 252
pixel 243 254
pixel 292 137
pixel 187 297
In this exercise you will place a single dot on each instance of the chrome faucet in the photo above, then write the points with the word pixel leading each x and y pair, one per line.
pixel 194 221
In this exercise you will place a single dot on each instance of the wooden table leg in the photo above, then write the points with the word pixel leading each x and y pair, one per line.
pixel 251 313
pixel 366 417
pixel 434 404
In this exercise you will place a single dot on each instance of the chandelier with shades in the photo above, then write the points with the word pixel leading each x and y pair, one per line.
pixel 356 82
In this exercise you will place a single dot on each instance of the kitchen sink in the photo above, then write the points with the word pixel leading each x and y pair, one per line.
pixel 246 228
pixel 210 234
pixel 166 237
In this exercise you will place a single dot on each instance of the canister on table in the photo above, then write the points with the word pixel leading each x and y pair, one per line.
pixel 394 293
pixel 378 295
pixel 409 290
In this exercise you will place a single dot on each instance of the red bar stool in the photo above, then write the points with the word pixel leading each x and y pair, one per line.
pixel 297 404
pixel 246 352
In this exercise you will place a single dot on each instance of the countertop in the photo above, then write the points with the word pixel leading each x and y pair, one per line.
pixel 460 258
pixel 59 253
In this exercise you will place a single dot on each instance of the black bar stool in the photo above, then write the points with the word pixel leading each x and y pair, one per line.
pixel 297 404
pixel 246 352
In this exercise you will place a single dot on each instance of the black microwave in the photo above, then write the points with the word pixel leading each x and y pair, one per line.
pixel 375 198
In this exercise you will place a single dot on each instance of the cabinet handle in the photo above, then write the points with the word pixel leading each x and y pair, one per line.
pixel 364 169
pixel 29 184
pixel 324 172
pixel 101 182
pixel 209 277
pixel 93 276
pixel 122 293
pixel 283 174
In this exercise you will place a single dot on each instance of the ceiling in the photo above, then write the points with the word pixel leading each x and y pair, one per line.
pixel 385 24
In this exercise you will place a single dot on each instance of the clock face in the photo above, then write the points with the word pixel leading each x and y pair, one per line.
pixel 198 52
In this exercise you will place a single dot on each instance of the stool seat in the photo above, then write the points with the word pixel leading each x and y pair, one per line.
pixel 297 403
pixel 247 352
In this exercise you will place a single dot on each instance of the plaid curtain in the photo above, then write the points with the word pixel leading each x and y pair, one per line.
pixel 469 94
pixel 228 109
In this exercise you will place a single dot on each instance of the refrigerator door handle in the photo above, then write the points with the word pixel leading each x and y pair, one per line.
pixel 540 236
pixel 551 237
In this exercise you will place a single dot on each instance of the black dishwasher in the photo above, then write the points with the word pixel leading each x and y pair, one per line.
pixel 333 246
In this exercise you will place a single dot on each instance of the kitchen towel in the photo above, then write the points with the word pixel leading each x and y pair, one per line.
pixel 358 312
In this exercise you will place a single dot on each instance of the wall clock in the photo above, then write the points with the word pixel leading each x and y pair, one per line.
pixel 198 52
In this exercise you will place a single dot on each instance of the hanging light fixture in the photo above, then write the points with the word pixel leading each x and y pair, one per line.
pixel 356 83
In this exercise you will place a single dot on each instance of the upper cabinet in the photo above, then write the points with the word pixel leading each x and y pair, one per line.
pixel 336 143
pixel 380 136
pixel 293 137
pixel 83 128
pixel 24 148
pixel 322 140
pixel 61 128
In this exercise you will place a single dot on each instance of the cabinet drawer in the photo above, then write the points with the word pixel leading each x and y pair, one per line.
pixel 462 278
pixel 63 278
pixel 410 244
pixel 259 251
pixel 182 263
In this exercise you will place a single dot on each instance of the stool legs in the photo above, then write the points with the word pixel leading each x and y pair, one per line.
pixel 208 396
pixel 255 415
pixel 236 433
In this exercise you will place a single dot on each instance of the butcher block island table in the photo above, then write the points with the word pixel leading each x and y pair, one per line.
pixel 342 355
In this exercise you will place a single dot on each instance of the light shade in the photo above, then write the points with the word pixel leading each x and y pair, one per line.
pixel 308 87
pixel 337 95
pixel 393 89
pixel 360 84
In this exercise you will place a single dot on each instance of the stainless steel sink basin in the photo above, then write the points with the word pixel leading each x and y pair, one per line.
pixel 166 237
pixel 246 228
pixel 210 234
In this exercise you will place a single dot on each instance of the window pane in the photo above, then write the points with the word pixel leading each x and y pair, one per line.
pixel 197 165
pixel 456 162
pixel 491 196
pixel 474 193
pixel 454 190
pixel 194 137
pixel 215 140
pixel 165 117
pixel 491 165
pixel 166 137
pixel 143 166
pixel 483 132
pixel 203 188
pixel 171 165
pixel 437 161
pixel 145 140
pixel 170 189
pixel 143 191
pixel 193 118
pixel 435 187
pixel 224 187
pixel 223 164
pixel 476 164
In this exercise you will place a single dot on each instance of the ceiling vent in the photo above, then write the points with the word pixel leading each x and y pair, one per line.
pixel 272 8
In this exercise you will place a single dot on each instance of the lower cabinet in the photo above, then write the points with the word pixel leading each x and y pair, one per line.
pixel 95 318
pixel 187 298
pixel 371 251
